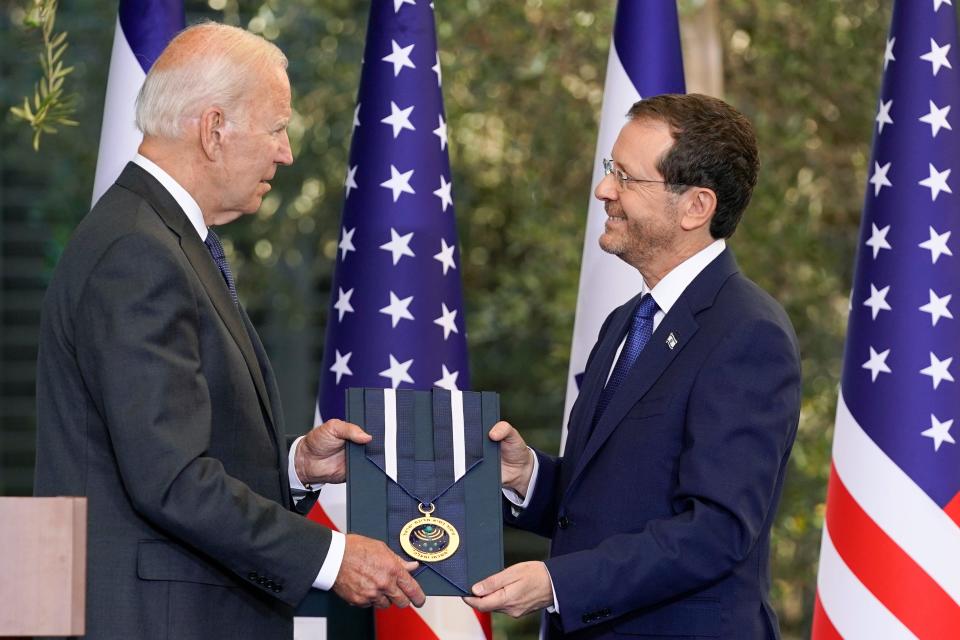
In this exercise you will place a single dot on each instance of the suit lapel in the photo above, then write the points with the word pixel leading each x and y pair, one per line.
pixel 656 357
pixel 595 377
pixel 273 394
pixel 229 313
pixel 141 182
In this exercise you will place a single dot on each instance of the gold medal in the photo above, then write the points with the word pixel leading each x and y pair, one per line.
pixel 429 539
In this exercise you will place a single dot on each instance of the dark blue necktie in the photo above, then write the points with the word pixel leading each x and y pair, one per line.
pixel 640 332
pixel 216 250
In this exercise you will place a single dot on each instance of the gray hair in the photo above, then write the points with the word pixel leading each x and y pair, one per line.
pixel 207 64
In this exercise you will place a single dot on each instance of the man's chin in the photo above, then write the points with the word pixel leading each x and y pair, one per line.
pixel 610 245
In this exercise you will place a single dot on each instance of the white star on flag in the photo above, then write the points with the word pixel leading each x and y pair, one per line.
pixel 937 56
pixel 399 245
pixel 883 115
pixel 356 116
pixel 937 182
pixel 877 300
pixel 888 54
pixel 445 257
pixel 340 366
pixel 444 193
pixel 448 380
pixel 399 3
pixel 399 119
pixel 346 242
pixel 441 132
pixel 398 182
pixel 937 245
pixel 351 180
pixel 937 119
pixel 877 363
pixel 397 372
pixel 878 239
pixel 400 57
pixel 939 432
pixel 447 320
pixel 436 69
pixel 398 309
pixel 938 370
pixel 879 178
pixel 937 307
pixel 343 303
pixel 938 3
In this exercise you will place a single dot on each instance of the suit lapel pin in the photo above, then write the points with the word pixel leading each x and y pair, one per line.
pixel 672 340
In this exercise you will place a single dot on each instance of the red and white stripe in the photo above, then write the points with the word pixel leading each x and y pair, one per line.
pixel 890 556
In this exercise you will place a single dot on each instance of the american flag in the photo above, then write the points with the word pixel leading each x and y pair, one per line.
pixel 396 312
pixel 143 31
pixel 645 60
pixel 890 555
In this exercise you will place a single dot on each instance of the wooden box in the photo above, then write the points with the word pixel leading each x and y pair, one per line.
pixel 43 551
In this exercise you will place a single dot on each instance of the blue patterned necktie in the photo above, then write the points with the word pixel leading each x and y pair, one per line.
pixel 640 332
pixel 216 250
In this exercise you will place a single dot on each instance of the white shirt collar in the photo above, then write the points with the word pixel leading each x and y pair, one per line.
pixel 669 289
pixel 183 198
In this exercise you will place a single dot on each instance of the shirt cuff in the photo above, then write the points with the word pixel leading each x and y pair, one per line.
pixel 331 564
pixel 511 495
pixel 556 605
pixel 295 484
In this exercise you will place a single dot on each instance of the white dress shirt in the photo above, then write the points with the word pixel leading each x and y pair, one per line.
pixel 331 564
pixel 665 294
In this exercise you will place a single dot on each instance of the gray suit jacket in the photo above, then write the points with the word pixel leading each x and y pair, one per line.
pixel 156 401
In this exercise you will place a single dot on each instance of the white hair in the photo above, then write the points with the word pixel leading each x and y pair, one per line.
pixel 207 64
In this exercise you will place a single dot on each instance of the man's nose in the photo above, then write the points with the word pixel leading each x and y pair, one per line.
pixel 285 154
pixel 606 188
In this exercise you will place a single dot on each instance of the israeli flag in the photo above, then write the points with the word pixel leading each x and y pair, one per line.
pixel 144 27
pixel 645 60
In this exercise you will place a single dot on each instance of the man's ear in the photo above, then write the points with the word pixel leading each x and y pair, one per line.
pixel 697 206
pixel 212 128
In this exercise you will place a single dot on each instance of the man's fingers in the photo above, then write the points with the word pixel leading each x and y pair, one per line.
pixel 348 431
pixel 492 602
pixel 409 565
pixel 492 583
pixel 411 589
pixel 501 430
pixel 396 596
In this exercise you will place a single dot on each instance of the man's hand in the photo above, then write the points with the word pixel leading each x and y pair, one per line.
pixel 516 462
pixel 372 574
pixel 516 590
pixel 320 456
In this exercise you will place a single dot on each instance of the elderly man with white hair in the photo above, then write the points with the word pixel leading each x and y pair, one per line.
pixel 155 396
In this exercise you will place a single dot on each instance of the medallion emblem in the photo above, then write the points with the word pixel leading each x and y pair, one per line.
pixel 429 539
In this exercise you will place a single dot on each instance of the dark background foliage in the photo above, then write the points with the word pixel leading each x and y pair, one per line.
pixel 523 84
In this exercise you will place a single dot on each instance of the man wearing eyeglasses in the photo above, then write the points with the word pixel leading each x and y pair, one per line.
pixel 660 509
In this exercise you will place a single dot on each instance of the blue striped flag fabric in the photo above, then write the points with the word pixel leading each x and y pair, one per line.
pixel 645 59
pixel 143 30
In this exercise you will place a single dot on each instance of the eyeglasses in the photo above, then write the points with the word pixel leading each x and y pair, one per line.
pixel 623 179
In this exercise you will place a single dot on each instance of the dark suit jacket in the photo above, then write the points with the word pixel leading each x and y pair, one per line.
pixel 156 401
pixel 660 517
